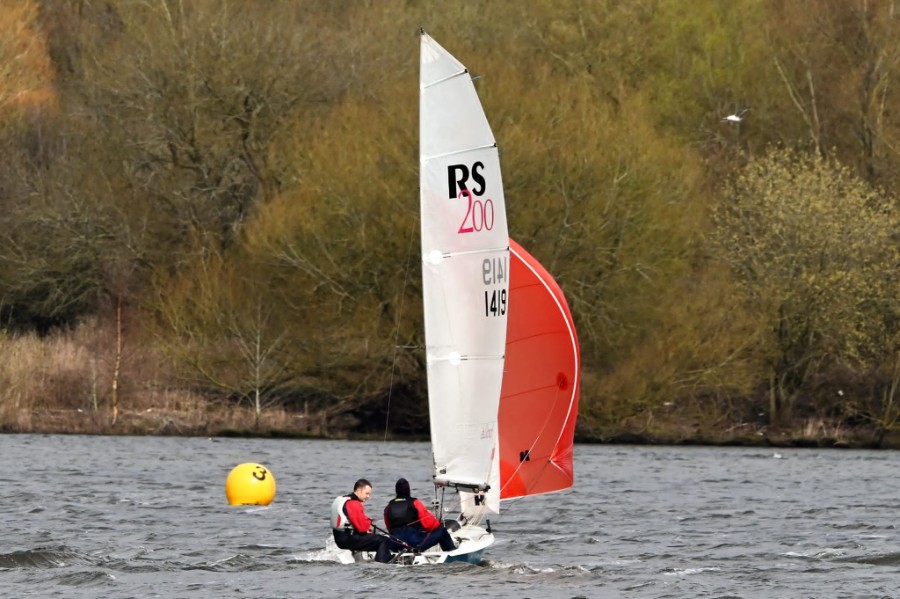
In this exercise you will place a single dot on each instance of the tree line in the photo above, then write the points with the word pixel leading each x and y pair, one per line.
pixel 227 191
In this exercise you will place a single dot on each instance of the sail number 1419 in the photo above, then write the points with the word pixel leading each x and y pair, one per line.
pixel 493 275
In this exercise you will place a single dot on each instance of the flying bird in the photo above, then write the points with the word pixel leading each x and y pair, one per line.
pixel 737 117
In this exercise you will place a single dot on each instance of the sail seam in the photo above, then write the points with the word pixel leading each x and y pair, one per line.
pixel 457 152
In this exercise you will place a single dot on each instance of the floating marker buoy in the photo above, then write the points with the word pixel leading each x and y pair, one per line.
pixel 250 484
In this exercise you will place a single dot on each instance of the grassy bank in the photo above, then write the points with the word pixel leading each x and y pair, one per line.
pixel 65 383
pixel 181 414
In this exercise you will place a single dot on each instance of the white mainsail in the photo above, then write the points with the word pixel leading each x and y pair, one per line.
pixel 465 275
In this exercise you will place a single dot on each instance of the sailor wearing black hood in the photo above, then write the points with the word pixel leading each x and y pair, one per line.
pixel 409 520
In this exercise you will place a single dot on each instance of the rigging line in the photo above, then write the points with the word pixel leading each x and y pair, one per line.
pixel 399 319
pixel 480 513
pixel 537 437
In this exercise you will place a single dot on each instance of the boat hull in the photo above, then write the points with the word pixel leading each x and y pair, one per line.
pixel 472 540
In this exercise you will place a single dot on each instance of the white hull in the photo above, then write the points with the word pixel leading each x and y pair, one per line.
pixel 472 540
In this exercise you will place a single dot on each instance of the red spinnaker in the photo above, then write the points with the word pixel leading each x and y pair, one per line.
pixel 539 396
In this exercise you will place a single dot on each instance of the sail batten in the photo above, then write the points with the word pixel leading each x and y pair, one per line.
pixel 447 255
pixel 447 78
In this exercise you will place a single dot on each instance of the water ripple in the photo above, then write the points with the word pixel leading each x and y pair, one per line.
pixel 116 516
pixel 41 558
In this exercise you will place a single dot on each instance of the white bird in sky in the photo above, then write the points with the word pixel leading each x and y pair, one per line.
pixel 737 117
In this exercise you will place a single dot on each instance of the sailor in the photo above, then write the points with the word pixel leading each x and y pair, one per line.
pixel 352 528
pixel 409 520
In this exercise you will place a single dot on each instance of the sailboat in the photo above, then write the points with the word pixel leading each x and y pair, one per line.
pixel 501 349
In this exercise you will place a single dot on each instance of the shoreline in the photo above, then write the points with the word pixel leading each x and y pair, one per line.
pixel 240 422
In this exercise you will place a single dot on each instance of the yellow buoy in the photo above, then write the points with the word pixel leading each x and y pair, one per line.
pixel 250 484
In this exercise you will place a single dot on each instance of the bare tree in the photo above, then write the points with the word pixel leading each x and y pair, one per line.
pixel 839 62
pixel 194 95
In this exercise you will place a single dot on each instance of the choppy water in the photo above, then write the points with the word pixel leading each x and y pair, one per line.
pixel 147 517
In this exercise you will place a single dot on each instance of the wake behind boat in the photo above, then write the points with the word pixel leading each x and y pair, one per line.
pixel 501 350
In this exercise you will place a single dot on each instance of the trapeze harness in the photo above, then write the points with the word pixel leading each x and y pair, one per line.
pixel 401 512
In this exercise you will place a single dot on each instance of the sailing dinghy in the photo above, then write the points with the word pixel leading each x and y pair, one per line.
pixel 501 349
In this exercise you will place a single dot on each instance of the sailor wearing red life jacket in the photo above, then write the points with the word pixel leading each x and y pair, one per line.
pixel 352 528
pixel 409 520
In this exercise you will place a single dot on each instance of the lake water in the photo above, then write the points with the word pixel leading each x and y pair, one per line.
pixel 147 517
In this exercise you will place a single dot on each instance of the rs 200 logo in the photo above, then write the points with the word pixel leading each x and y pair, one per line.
pixel 479 210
